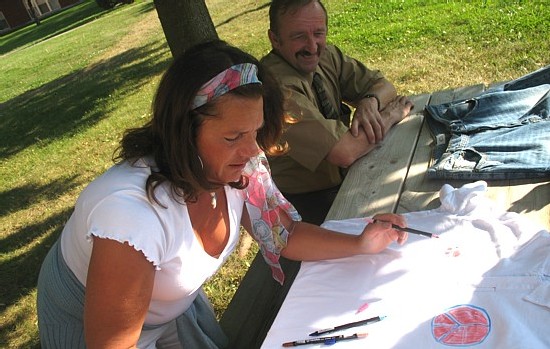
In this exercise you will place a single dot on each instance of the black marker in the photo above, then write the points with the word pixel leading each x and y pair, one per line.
pixel 408 230
pixel 349 325
pixel 415 231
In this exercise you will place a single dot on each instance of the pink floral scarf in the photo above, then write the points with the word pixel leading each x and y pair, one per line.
pixel 264 203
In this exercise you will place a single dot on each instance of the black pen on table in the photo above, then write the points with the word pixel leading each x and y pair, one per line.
pixel 324 340
pixel 408 230
pixel 348 325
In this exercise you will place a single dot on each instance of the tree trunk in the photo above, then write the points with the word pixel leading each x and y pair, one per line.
pixel 185 23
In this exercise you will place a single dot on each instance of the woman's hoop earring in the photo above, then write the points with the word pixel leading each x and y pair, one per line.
pixel 213 197
pixel 200 160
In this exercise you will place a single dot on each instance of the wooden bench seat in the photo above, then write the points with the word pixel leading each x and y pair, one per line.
pixel 256 303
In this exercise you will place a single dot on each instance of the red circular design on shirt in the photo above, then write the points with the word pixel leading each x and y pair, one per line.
pixel 461 325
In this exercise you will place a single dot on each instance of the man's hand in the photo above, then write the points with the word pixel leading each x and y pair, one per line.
pixel 369 119
pixel 376 124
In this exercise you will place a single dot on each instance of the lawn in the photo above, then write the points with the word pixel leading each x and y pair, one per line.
pixel 71 86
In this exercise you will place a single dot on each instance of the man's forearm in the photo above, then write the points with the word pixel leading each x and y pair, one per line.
pixel 349 149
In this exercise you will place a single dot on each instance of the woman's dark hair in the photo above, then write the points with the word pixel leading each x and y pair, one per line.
pixel 170 136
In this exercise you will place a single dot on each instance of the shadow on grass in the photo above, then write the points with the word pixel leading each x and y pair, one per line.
pixel 19 270
pixel 58 109
pixel 20 274
pixel 56 24
pixel 232 18
pixel 26 196
pixel 67 105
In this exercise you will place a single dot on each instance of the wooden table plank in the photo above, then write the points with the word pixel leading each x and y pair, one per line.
pixel 527 196
pixel 420 102
pixel 385 168
pixel 380 192
pixel 422 193
pixel 457 94
pixel 419 192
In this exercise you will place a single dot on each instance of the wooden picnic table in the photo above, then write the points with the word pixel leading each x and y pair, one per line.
pixel 391 178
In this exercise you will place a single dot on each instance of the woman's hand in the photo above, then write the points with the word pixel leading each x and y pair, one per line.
pixel 378 235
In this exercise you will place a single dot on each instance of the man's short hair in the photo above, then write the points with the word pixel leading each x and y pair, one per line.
pixel 280 7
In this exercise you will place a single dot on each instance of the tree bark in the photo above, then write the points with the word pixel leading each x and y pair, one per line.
pixel 185 23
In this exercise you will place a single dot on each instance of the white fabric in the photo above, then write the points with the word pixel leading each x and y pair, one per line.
pixel 115 206
pixel 489 265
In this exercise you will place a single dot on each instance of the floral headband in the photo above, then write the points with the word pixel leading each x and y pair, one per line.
pixel 229 79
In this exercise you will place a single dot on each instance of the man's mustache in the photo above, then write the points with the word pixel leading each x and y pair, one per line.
pixel 307 53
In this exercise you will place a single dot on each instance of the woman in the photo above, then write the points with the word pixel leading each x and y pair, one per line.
pixel 128 268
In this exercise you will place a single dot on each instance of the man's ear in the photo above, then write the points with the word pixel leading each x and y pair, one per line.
pixel 273 38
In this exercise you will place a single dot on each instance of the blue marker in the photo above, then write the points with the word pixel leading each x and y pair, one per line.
pixel 324 340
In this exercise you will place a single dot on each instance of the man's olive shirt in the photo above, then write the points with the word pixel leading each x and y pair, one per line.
pixel 312 136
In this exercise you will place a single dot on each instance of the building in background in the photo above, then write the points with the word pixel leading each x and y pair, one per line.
pixel 17 13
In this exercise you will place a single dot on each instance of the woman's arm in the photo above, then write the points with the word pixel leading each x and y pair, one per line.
pixel 118 292
pixel 311 242
pixel 308 242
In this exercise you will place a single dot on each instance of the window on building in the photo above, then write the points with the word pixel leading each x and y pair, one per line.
pixel 43 7
pixel 3 22
pixel 54 5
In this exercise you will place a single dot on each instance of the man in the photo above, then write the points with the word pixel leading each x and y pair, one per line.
pixel 323 142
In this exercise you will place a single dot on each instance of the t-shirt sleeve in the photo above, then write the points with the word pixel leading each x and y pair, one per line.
pixel 127 218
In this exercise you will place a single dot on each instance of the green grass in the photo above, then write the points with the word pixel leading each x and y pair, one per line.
pixel 429 45
pixel 71 86
pixel 58 23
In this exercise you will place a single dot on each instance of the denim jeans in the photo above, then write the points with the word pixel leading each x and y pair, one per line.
pixel 503 133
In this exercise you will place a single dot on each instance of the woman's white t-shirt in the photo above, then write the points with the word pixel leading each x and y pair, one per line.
pixel 115 206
